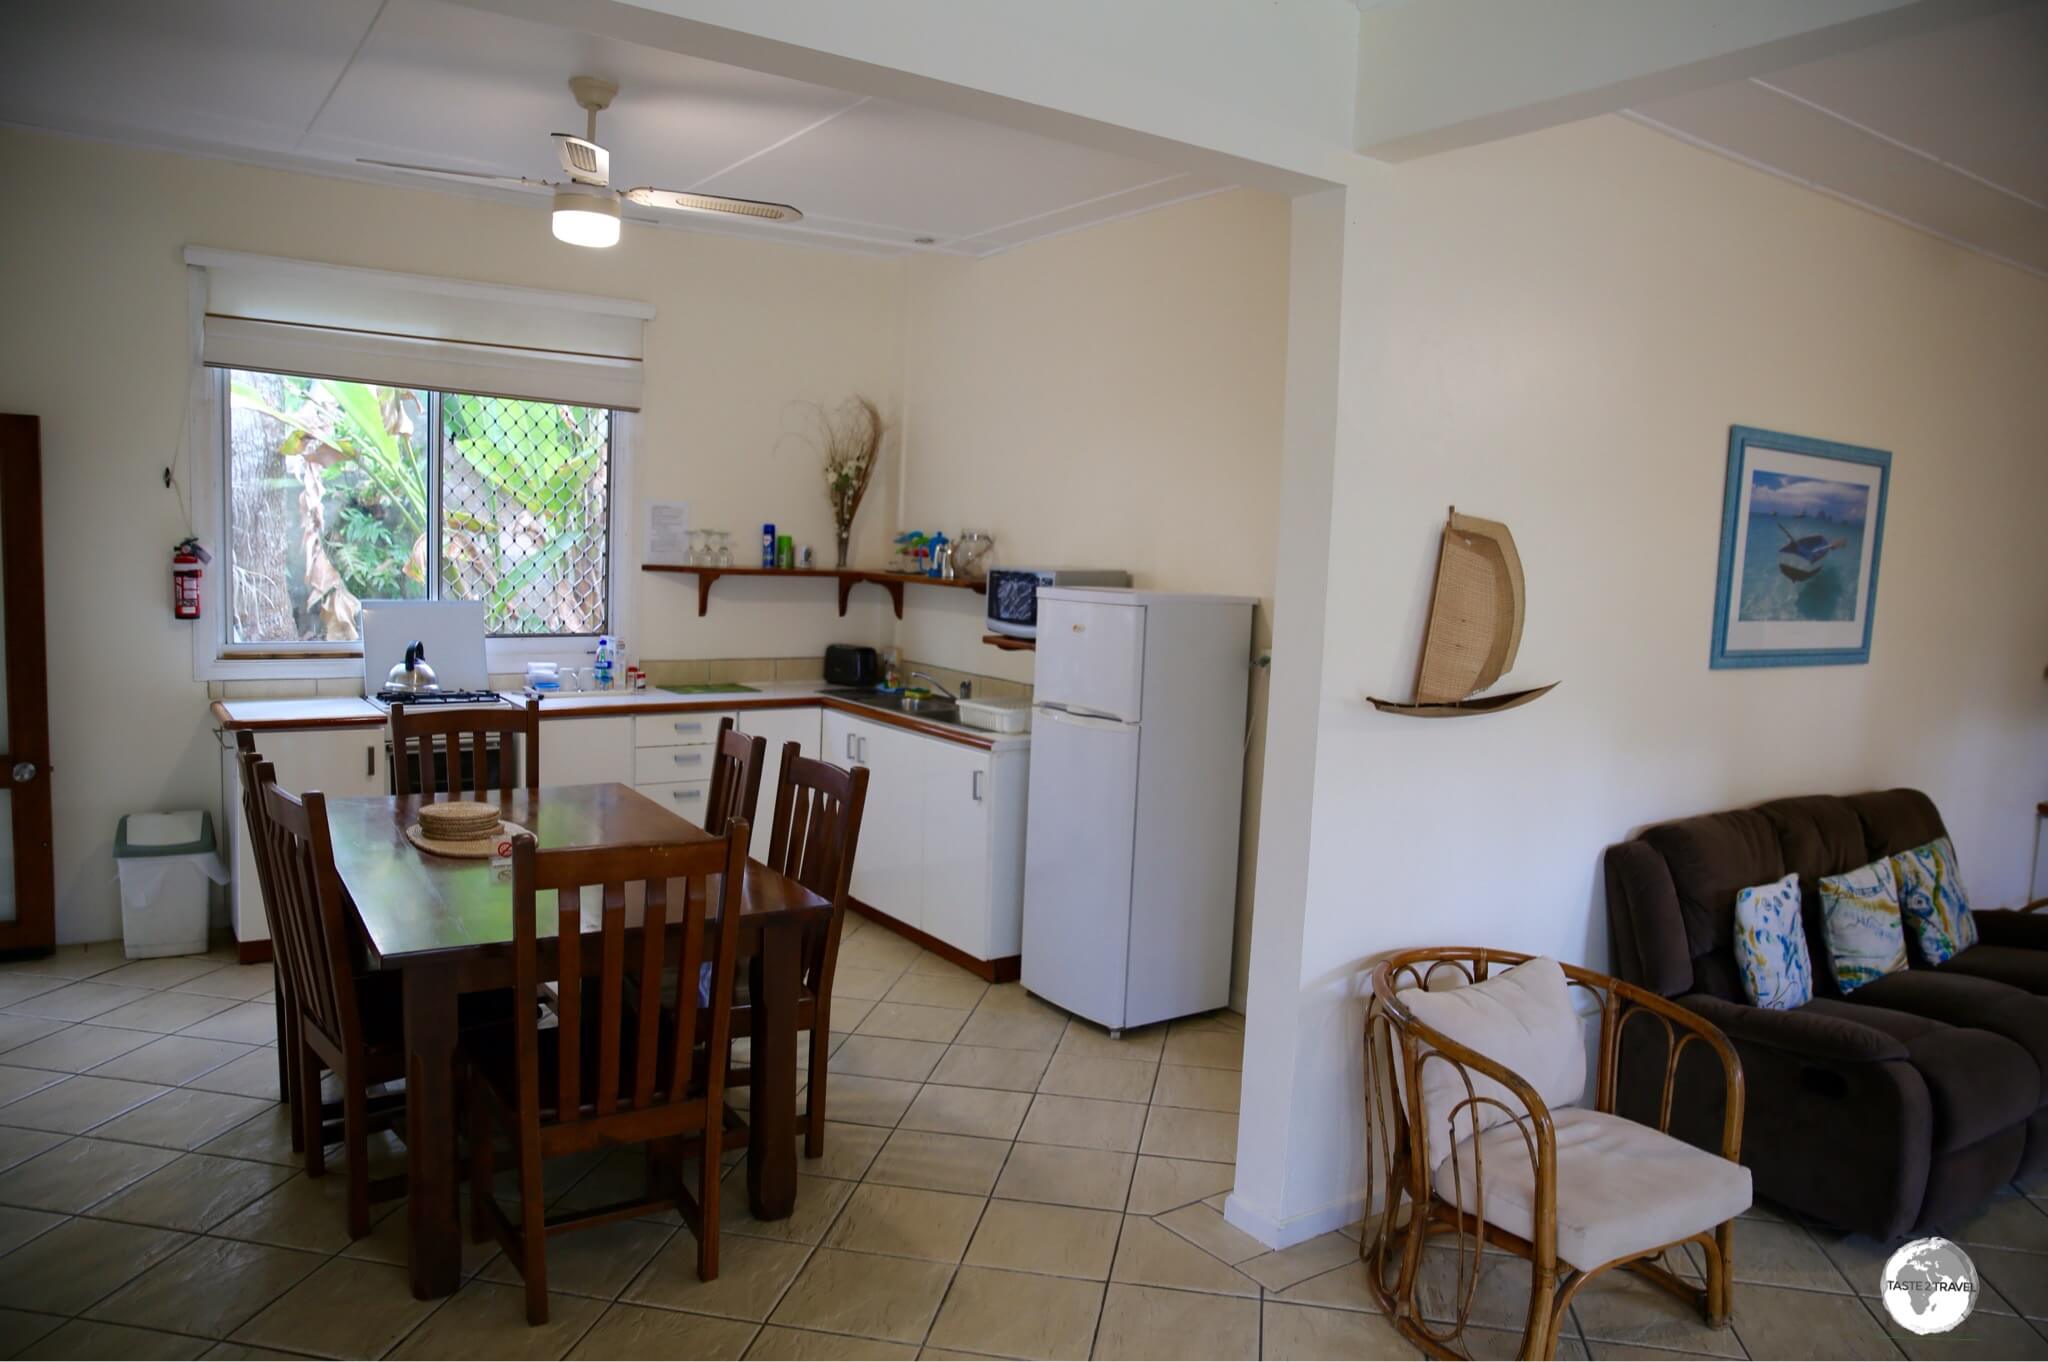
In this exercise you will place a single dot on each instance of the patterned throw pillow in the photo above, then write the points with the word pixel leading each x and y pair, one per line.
pixel 1770 945
pixel 1860 920
pixel 1931 897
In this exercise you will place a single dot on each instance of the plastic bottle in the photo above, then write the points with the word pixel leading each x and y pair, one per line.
pixel 768 546
pixel 601 669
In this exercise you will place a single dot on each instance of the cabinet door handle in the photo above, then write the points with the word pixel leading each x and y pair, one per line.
pixel 977 785
pixel 680 795
pixel 849 745
pixel 863 750
pixel 369 759
pixel 693 726
pixel 688 758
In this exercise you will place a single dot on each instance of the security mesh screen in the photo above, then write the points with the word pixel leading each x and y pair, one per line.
pixel 523 512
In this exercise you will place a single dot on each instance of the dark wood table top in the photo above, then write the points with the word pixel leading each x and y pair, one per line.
pixel 413 905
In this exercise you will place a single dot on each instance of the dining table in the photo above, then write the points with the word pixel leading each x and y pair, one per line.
pixel 445 925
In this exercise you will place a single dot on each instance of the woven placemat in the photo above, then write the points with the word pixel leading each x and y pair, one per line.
pixel 459 820
pixel 473 849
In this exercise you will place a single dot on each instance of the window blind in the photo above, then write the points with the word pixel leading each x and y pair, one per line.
pixel 376 326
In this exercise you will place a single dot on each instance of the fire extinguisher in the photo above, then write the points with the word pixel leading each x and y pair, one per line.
pixel 188 562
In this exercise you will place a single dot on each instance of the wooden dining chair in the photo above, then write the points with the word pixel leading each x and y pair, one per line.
pixel 332 1028
pixel 610 1073
pixel 816 832
pixel 444 729
pixel 736 763
pixel 248 758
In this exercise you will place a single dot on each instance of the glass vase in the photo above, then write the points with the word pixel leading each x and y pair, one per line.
pixel 842 536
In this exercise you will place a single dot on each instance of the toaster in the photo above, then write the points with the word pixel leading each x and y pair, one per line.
pixel 852 664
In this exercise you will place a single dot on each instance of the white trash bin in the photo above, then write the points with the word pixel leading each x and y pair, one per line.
pixel 165 861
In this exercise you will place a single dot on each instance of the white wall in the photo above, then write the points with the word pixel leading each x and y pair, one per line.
pixel 1557 331
pixel 1108 398
pixel 94 340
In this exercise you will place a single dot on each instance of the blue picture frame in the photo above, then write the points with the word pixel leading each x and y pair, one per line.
pixel 1799 558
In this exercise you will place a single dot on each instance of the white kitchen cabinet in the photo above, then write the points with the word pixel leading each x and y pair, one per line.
pixel 586 751
pixel 888 865
pixel 777 727
pixel 335 761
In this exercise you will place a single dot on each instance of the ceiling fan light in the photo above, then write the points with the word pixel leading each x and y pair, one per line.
pixel 583 218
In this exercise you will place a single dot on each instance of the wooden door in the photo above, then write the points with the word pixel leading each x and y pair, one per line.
pixel 28 874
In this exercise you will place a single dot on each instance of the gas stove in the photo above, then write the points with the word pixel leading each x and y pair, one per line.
pixel 385 699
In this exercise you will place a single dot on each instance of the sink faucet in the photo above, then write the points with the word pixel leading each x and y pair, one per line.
pixel 926 676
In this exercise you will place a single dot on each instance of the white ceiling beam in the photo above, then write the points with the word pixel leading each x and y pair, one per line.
pixel 1250 94
pixel 1435 75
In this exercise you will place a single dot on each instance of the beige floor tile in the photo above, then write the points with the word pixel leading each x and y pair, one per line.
pixel 986 1112
pixel 1342 1288
pixel 1500 1298
pixel 1278 1270
pixel 620 1175
pixel 196 1192
pixel 20 1328
pixel 1146 1322
pixel 636 1331
pixel 254 1074
pixel 486 1320
pixel 865 1294
pixel 818 1201
pixel 1162 1184
pixel 175 1060
pixel 752 1275
pixel 778 1341
pixel 1311 1333
pixel 1017 1314
pixel 167 971
pixel 2009 1221
pixel 266 1136
pixel 1099 1179
pixel 71 962
pixel 1182 1085
pixel 209 1287
pixel 1776 1254
pixel 91 1339
pixel 930 964
pixel 2021 1278
pixel 847 1015
pixel 960 993
pixel 182 1119
pixel 1028 1236
pixel 910 1061
pixel 78 1172
pixel 849 1150
pixel 79 1047
pixel 75 1105
pixel 596 1262
pixel 876 950
pixel 346 1308
pixel 908 1222
pixel 387 1240
pixel 854 982
pixel 18 1225
pixel 1981 1335
pixel 940 1163
pixel 303 1213
pixel 1500 1345
pixel 1773 1321
pixel 76 1002
pixel 19 1146
pixel 983 1066
pixel 164 1012
pixel 240 982
pixel 1090 1041
pixel 251 1023
pixel 16 1032
pixel 1619 1308
pixel 1205 1227
pixel 1085 1122
pixel 1005 1029
pixel 1115 1080
pixel 19 988
pixel 908 1021
pixel 1208 1049
pixel 1182 1133
pixel 869 1101
pixel 66 1269
pixel 16 1083
pixel 1148 1254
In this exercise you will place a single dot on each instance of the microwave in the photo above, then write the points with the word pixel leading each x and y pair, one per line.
pixel 1013 594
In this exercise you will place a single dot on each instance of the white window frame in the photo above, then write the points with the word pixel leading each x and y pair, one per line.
pixel 212 659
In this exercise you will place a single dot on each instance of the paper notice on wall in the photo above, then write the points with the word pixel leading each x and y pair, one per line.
pixel 668 533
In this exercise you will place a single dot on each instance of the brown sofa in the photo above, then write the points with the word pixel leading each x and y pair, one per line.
pixel 1899 1107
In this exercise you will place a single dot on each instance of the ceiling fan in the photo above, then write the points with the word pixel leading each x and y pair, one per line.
pixel 587 207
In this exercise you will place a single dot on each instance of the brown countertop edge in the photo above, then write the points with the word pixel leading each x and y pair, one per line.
pixel 224 717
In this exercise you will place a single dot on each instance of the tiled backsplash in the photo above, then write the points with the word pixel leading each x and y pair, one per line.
pixel 672 672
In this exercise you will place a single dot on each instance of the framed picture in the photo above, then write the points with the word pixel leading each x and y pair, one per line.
pixel 1802 523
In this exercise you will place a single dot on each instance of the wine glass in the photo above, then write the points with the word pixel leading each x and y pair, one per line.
pixel 700 556
pixel 724 538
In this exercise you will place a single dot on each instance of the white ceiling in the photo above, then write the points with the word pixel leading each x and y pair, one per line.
pixel 315 86
pixel 1946 131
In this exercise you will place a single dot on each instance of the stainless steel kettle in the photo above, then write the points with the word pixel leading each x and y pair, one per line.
pixel 414 674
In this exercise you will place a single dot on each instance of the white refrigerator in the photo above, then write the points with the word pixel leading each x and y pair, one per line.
pixel 1137 783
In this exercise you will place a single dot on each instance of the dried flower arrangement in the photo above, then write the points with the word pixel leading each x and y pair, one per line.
pixel 848 439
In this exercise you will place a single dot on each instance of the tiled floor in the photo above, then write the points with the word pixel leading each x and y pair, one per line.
pixel 998 1181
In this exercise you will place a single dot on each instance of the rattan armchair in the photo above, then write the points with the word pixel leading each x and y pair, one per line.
pixel 1433 1183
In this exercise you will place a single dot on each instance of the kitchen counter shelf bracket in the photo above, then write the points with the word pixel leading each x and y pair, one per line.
pixel 848 578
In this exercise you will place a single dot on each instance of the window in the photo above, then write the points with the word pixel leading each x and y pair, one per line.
pixel 339 492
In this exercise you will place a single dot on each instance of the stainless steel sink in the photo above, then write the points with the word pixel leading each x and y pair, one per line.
pixel 924 707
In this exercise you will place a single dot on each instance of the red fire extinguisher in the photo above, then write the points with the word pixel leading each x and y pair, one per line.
pixel 188 562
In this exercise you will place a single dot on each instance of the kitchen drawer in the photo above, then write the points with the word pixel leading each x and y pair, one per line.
pixel 687 798
pixel 665 765
pixel 671 730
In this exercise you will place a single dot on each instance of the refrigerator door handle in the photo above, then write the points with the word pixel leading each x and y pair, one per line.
pixel 1081 720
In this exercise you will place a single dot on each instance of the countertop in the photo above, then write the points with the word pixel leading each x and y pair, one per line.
pixel 354 712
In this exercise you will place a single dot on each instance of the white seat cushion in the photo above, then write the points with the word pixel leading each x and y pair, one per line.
pixel 1622 1188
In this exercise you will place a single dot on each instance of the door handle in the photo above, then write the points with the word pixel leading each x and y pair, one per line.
pixel 370 759
pixel 977 785
pixel 688 758
pixel 695 726
pixel 863 750
pixel 686 794
pixel 849 745
pixel 23 772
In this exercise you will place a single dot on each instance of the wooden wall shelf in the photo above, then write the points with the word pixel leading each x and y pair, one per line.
pixel 848 578
pixel 1010 645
